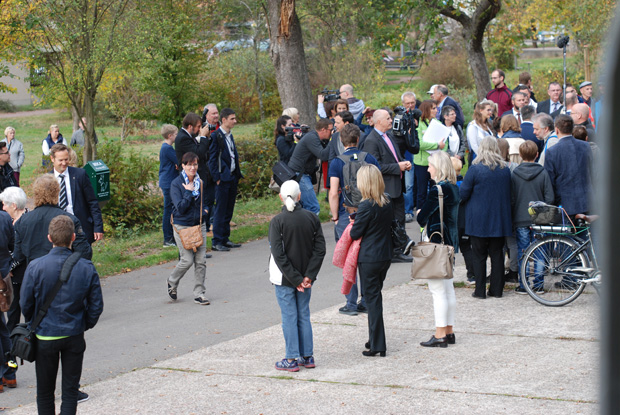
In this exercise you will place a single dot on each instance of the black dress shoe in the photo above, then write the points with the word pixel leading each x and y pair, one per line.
pixel 435 342
pixel 232 245
pixel 370 353
pixel 451 338
pixel 489 294
pixel 367 345
pixel 401 258
pixel 220 248
pixel 408 247
pixel 482 297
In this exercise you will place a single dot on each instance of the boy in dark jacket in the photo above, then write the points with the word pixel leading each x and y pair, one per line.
pixel 530 182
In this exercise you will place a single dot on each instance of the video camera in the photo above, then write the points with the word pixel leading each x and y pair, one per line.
pixel 404 120
pixel 211 126
pixel 298 131
pixel 331 94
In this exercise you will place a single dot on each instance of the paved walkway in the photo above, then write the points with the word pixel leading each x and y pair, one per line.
pixel 512 356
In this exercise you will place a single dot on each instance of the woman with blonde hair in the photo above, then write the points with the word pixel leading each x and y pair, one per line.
pixel 480 126
pixel 488 219
pixel 372 223
pixel 293 113
pixel 444 300
pixel 16 150
pixel 297 251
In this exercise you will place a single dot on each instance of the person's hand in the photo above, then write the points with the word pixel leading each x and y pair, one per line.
pixel 404 165
pixel 321 99
pixel 417 212
pixel 204 131
pixel 441 144
pixel 306 283
pixel 189 186
pixel 217 183
pixel 366 110
pixel 98 236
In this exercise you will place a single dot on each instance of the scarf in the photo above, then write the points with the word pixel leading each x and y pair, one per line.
pixel 196 191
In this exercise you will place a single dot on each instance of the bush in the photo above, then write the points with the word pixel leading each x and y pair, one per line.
pixel 6 106
pixel 447 68
pixel 542 77
pixel 136 203
pixel 258 155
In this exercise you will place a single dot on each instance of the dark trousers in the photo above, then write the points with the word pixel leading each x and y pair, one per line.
pixel 372 275
pixel 494 248
pixel 166 225
pixel 468 254
pixel 422 178
pixel 209 199
pixel 70 351
pixel 225 196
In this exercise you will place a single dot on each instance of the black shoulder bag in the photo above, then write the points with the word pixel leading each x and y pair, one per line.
pixel 23 337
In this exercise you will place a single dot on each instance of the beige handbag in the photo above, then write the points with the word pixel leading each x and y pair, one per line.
pixel 191 237
pixel 433 261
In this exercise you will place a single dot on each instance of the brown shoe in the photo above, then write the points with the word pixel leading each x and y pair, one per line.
pixel 1 388
pixel 9 383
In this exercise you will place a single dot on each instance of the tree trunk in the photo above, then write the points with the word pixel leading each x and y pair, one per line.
pixel 257 80
pixel 478 64
pixel 90 149
pixel 289 61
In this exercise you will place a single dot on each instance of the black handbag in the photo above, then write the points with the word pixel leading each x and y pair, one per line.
pixel 23 337
pixel 282 172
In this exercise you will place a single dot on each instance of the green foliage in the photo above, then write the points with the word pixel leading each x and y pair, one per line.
pixel 449 67
pixel 258 155
pixel 6 106
pixel 542 77
pixel 229 81
pixel 136 202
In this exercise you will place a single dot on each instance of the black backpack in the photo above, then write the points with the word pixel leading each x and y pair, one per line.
pixel 352 163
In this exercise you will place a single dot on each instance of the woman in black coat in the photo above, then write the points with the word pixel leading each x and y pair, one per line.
pixel 284 143
pixel 372 223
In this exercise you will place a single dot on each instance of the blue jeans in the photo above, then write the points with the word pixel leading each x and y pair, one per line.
pixel 166 226
pixel 525 236
pixel 308 197
pixel 296 326
pixel 409 194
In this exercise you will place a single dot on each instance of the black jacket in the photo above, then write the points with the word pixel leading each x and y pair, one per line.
pixel 185 207
pixel 285 146
pixel 307 151
pixel 530 183
pixel 31 234
pixel 297 245
pixel 219 158
pixel 85 203
pixel 373 223
pixel 390 170
pixel 429 214
pixel 184 143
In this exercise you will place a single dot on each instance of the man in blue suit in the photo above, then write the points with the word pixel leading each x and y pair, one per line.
pixel 224 165
pixel 439 94
pixel 568 165
pixel 76 193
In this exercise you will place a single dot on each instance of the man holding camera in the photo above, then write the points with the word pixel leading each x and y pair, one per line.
pixel 356 106
pixel 311 147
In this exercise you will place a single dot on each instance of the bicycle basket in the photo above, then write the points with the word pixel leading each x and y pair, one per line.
pixel 544 214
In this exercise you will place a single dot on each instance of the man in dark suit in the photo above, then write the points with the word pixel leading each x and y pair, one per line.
pixel 225 168
pixel 196 139
pixel 383 149
pixel 552 104
pixel 519 99
pixel 568 165
pixel 440 95
pixel 527 127
pixel 76 193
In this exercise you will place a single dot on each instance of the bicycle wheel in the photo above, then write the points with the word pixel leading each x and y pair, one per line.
pixel 546 270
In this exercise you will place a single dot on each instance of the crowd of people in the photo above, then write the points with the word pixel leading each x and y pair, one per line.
pixel 517 150
pixel 34 246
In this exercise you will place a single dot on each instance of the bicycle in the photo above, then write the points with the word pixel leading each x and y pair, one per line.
pixel 559 264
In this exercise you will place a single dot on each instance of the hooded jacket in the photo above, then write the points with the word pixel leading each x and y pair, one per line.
pixel 530 182
pixel 356 106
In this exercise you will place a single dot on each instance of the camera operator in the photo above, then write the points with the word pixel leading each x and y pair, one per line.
pixel 211 117
pixel 311 147
pixel 285 138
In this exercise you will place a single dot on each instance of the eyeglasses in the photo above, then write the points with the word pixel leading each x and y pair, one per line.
pixel 6 152
pixel 192 165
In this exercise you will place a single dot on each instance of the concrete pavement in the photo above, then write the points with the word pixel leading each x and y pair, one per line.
pixel 512 356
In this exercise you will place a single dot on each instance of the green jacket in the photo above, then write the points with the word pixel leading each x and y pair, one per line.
pixel 421 159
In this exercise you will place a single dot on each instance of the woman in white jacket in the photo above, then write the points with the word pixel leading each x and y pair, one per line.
pixel 480 126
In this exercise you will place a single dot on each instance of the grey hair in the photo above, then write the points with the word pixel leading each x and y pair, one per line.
pixel 443 89
pixel 14 195
pixel 407 94
pixel 289 193
pixel 544 120
pixel 488 154
pixel 209 106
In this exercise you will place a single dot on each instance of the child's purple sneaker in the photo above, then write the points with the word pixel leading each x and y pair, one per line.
pixel 287 365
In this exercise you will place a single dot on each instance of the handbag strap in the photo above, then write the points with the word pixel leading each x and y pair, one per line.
pixel 440 194
pixel 67 267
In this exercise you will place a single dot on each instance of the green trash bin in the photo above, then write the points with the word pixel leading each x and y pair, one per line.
pixel 99 176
